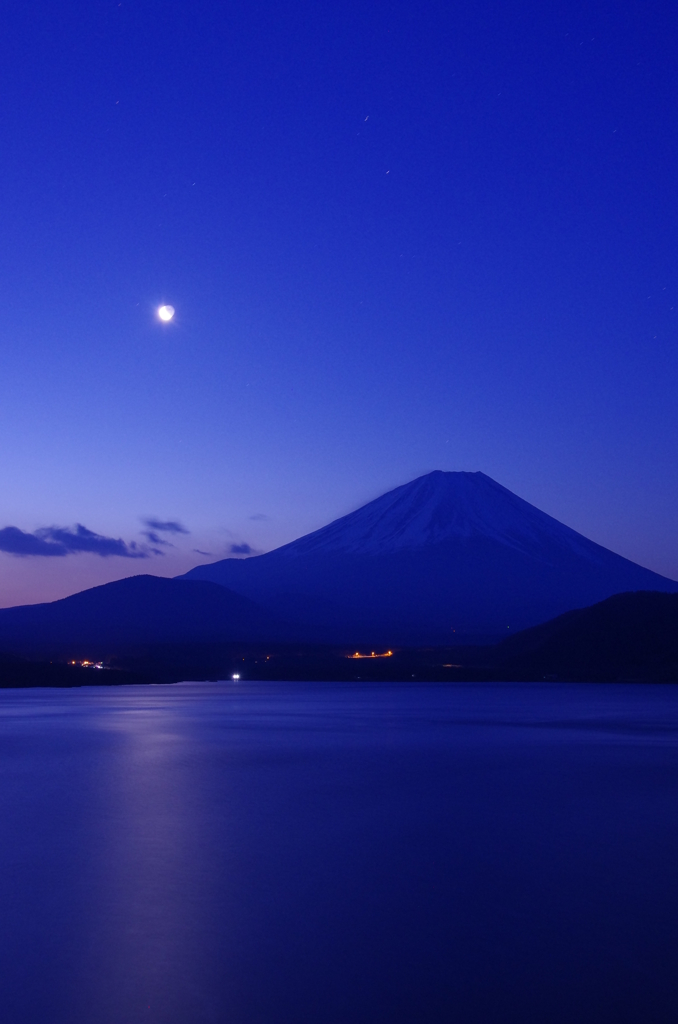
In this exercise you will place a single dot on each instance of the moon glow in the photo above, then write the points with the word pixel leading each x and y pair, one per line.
pixel 166 313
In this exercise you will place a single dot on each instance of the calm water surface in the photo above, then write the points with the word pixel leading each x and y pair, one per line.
pixel 278 853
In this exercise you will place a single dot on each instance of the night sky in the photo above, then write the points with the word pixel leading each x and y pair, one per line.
pixel 398 237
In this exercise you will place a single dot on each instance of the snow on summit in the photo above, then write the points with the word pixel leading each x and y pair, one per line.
pixel 438 507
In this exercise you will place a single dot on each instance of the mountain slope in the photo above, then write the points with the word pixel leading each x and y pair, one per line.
pixel 626 637
pixel 449 556
pixel 137 610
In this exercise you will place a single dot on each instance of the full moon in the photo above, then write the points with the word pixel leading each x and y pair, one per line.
pixel 166 313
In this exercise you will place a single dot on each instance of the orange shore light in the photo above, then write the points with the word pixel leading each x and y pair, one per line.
pixel 387 654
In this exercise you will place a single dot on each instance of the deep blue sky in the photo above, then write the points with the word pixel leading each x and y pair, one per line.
pixel 398 238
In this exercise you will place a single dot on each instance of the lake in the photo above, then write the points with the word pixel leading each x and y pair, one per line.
pixel 293 853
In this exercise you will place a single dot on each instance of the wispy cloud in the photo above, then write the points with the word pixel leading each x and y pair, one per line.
pixel 56 541
pixel 158 526
pixel 199 552
pixel 155 539
pixel 241 549
pixel 259 516
pixel 165 526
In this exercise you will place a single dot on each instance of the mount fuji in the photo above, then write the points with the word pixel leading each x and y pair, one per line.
pixel 449 557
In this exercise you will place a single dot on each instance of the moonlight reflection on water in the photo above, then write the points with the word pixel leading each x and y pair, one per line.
pixel 242 852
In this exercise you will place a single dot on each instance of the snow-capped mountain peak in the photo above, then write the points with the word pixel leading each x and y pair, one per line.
pixel 438 507
pixel 445 556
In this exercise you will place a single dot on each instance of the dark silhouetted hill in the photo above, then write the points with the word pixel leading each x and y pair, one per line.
pixel 140 610
pixel 627 637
